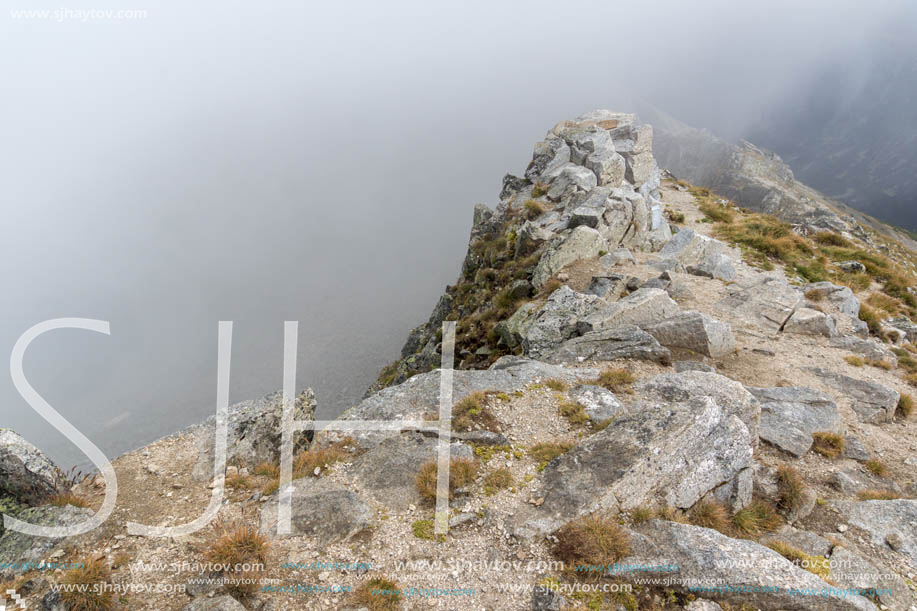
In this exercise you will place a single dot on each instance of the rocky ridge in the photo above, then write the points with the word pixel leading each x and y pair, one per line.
pixel 614 363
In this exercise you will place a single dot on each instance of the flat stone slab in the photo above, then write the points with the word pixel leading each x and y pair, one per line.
pixel 669 455
pixel 767 304
pixel 873 403
pixel 883 518
pixel 327 512
pixel 622 342
pixel 757 575
pixel 791 414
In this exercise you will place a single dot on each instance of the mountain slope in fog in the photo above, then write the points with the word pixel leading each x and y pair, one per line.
pixel 849 130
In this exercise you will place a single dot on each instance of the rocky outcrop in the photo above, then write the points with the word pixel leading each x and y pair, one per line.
pixel 544 329
pixel 254 432
pixel 387 471
pixel 859 574
pixel 694 331
pixel 618 343
pixel 592 187
pixel 767 303
pixel 671 455
pixel 18 549
pixel 26 474
pixel 581 243
pixel 642 307
pixel 885 521
pixel 790 415
pixel 752 573
pixel 841 296
pixel 684 386
pixel 806 321
pixel 327 512
pixel 754 178
pixel 599 403
pixel 419 395
pixel 872 402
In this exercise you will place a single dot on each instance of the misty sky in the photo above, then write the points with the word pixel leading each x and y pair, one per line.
pixel 274 161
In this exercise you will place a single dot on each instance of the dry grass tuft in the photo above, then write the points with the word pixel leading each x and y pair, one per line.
pixel 641 514
pixel 828 444
pixel 877 495
pixel 242 551
pixel 616 380
pixel 307 462
pixel 591 541
pixel 533 209
pixel 815 294
pixel 814 564
pixel 905 406
pixel 856 361
pixel 93 571
pixel 710 514
pixel 876 467
pixel 378 594
pixel 501 479
pixel 574 412
pixel 758 518
pixel 790 488
pixel 69 498
pixel 267 469
pixel 462 472
pixel 556 384
pixel 546 452
pixel 472 413
pixel 717 213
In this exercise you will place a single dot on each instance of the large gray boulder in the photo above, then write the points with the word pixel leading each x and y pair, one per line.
pixel 26 474
pixel 691 248
pixel 683 386
pixel 254 432
pixel 885 520
pixel 694 331
pixel 608 166
pixel 873 403
pixel 571 180
pixel 642 307
pixel 858 573
pixel 548 155
pixel 806 321
pixel 718 266
pixel 18 549
pixel 581 243
pixel 789 416
pixel 868 348
pixel 419 395
pixel 906 326
pixel 322 510
pixel 618 343
pixel 599 403
pixel 767 304
pixel 668 455
pixel 803 540
pixel 556 321
pixel 841 296
pixel 756 575
pixel 387 471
